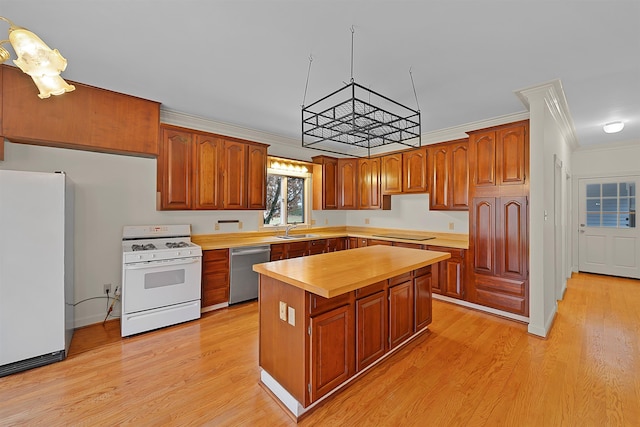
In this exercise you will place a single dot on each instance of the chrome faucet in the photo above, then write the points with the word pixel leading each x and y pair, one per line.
pixel 288 228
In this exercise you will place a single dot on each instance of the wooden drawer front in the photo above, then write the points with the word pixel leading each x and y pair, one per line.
pixel 277 252
pixel 453 251
pixel 422 271
pixel 215 260
pixel 401 278
pixel 317 246
pixel 408 245
pixel 371 289
pixel 507 295
pixel 318 304
pixel 296 249
pixel 336 244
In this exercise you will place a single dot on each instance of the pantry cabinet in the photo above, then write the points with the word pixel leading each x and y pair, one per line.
pixel 203 171
pixel 499 218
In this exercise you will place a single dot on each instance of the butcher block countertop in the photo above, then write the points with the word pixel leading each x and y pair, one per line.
pixel 335 273
pixel 233 240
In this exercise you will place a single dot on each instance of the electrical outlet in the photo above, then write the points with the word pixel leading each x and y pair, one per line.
pixel 216 227
pixel 106 288
pixel 326 221
pixel 366 220
pixel 451 225
pixel 292 316
pixel 313 222
pixel 240 225
pixel 283 311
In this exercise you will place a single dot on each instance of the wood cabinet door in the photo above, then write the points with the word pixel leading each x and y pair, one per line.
pixel 208 172
pixel 440 177
pixel 422 293
pixel 459 176
pixel 257 177
pixel 369 183
pixel 332 350
pixel 512 237
pixel 371 329
pixel 414 171
pixel 482 161
pixel 215 277
pixel 391 169
pixel 483 235
pixel 175 165
pixel 336 244
pixel 452 273
pixel 317 246
pixel 347 183
pixel 325 182
pixel 512 154
pixel 400 313
pixel 235 175
pixel 296 249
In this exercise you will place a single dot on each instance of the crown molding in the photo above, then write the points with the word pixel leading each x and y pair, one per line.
pixel 620 145
pixel 556 102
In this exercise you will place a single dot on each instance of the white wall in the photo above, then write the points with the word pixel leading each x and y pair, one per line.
pixel 111 191
pixel 598 162
pixel 411 212
pixel 550 134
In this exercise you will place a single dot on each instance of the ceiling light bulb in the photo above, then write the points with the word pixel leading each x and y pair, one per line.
pixel 613 127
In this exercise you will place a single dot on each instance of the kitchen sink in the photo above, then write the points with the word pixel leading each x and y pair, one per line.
pixel 297 236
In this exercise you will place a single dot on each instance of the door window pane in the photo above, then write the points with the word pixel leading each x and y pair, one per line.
pixel 611 205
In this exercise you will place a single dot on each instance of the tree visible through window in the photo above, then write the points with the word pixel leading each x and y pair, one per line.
pixel 285 200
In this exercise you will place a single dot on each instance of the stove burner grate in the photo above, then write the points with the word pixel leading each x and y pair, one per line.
pixel 173 245
pixel 147 247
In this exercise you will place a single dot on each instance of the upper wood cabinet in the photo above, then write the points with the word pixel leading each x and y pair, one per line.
pixel 325 182
pixel 499 156
pixel 392 173
pixel 88 118
pixel 257 176
pixel 414 170
pixel 348 183
pixel 369 188
pixel 449 187
pixel 207 172
pixel 199 170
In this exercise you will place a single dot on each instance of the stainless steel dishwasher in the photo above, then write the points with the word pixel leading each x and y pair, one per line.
pixel 243 280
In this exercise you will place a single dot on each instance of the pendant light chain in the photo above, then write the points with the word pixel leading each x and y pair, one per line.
pixel 353 30
pixel 414 88
pixel 307 83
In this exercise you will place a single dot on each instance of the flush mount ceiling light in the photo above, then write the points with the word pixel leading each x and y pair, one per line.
pixel 353 120
pixel 37 60
pixel 613 127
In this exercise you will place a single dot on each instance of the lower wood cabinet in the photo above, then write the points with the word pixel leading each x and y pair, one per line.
pixel 422 294
pixel 449 275
pixel 400 312
pixel 331 350
pixel 215 277
pixel 331 339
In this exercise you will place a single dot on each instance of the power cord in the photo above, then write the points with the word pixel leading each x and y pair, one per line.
pixel 115 299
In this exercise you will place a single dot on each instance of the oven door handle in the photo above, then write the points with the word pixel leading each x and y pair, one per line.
pixel 148 264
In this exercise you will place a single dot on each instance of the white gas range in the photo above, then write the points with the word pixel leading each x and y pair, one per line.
pixel 161 275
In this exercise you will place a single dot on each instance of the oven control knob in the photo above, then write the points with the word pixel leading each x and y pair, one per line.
pixel 153 256
pixel 178 253
pixel 139 256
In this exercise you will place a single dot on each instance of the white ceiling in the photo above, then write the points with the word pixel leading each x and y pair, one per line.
pixel 245 62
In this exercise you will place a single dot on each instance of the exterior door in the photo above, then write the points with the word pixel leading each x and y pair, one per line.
pixel 608 238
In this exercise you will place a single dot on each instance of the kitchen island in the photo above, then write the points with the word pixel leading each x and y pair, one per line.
pixel 325 319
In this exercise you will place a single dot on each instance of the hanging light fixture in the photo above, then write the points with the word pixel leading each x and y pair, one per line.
pixel 36 59
pixel 354 119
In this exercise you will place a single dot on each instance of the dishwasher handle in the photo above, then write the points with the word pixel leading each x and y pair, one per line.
pixel 250 251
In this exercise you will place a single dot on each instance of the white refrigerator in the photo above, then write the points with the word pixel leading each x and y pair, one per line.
pixel 36 269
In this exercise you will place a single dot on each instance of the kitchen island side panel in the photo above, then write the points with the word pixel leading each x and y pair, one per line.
pixel 282 345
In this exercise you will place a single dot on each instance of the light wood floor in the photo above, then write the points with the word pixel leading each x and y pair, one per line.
pixel 472 369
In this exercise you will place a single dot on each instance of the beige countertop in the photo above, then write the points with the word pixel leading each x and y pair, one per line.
pixel 233 240
pixel 336 273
